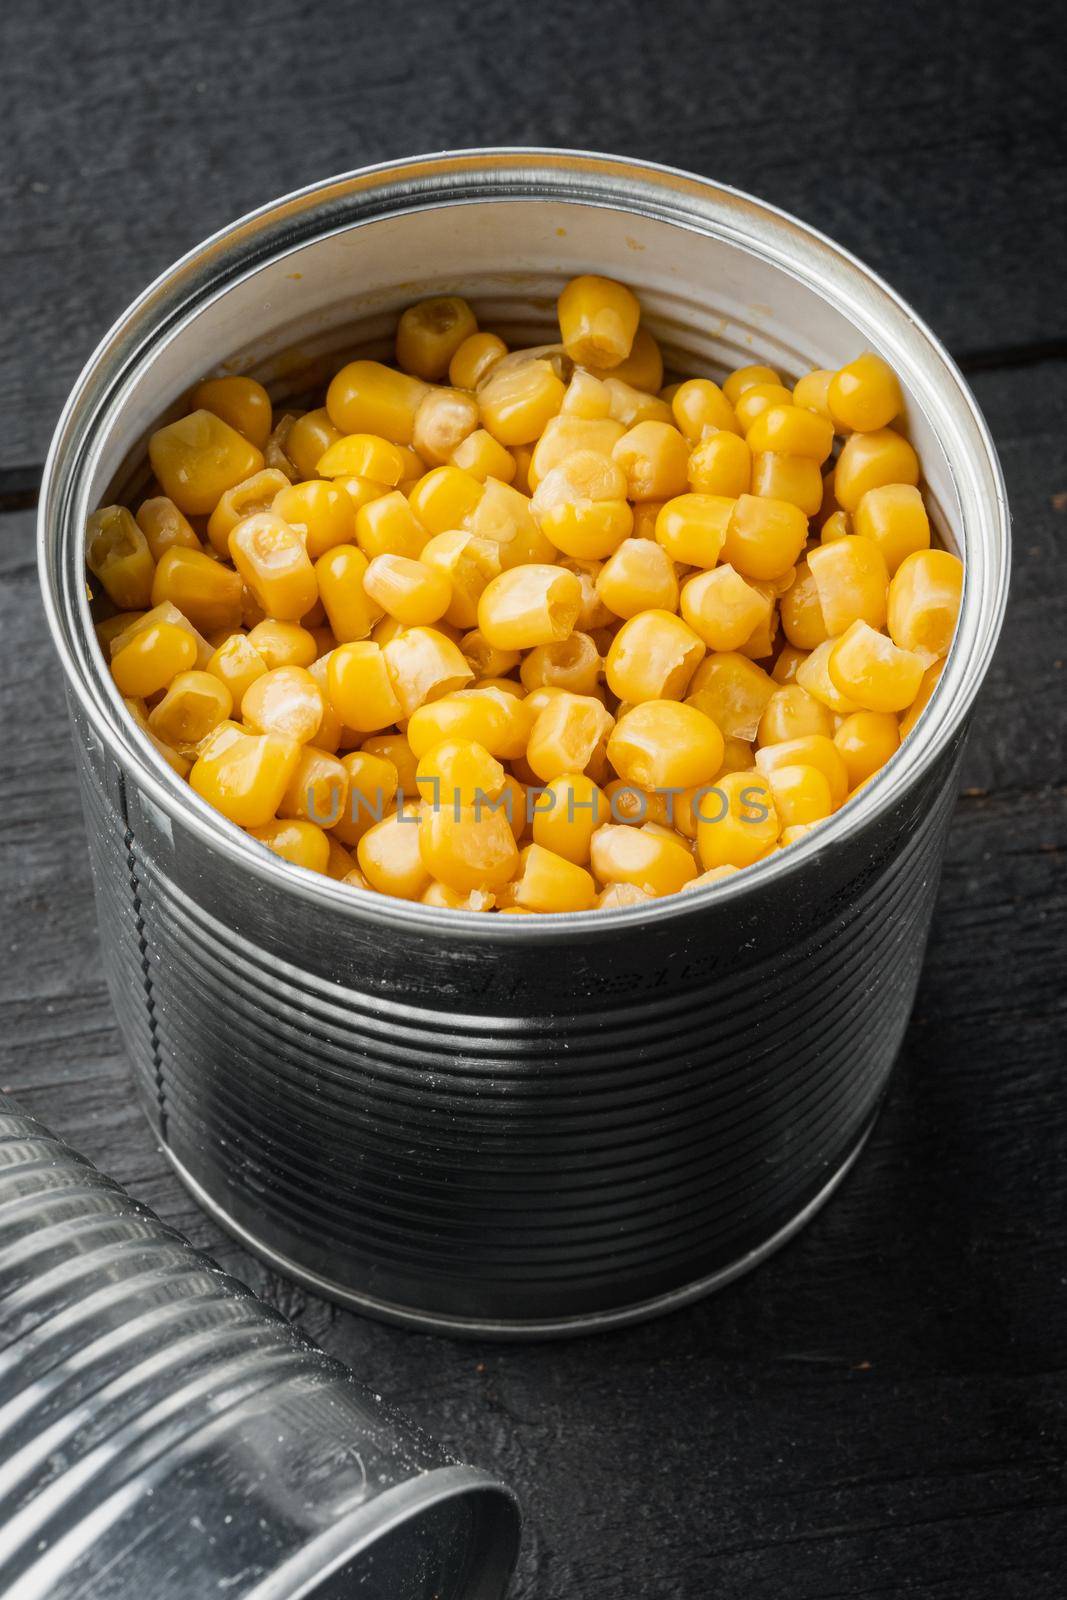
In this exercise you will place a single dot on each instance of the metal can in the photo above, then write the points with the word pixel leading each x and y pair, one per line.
pixel 508 1125
pixel 163 1433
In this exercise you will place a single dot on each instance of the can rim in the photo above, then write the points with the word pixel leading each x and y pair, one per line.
pixel 514 173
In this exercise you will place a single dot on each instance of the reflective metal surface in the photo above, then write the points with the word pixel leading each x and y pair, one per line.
pixel 513 1125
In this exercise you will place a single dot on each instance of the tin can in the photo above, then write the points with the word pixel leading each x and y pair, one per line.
pixel 162 1433
pixel 506 1125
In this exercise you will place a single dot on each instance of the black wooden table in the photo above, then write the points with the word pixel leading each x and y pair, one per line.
pixel 878 1411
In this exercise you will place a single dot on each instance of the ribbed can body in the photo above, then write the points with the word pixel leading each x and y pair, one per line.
pixel 511 1125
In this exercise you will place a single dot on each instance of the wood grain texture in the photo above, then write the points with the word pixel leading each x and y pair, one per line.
pixel 930 140
pixel 881 1410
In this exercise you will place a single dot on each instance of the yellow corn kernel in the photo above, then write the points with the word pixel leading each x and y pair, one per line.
pixel 163 613
pixel 658 863
pixel 522 455
pixel 372 792
pixel 692 527
pixel 458 772
pixel 568 812
pixel 924 602
pixel 272 560
pixel 359 688
pixel 479 715
pixel 177 763
pixel 746 378
pixel 866 740
pixel 618 896
pixel 664 745
pixel 321 512
pixel 628 803
pixel 503 515
pixel 247 499
pixel 873 672
pixel 311 438
pixel 758 398
pixel 808 750
pixel 784 477
pixel 237 664
pixel 164 527
pixel 870 461
pixel 117 552
pixel 893 515
pixel 529 605
pixel 733 691
pixel 445 418
pixel 812 392
pixel 593 614
pixel 413 592
pixel 368 397
pixel 549 882
pixel 474 358
pixel 445 498
pixel 737 823
pixel 789 658
pixel 283 644
pixel 791 713
pixel 517 402
pixel 760 642
pixel 713 875
pixel 864 395
pixel 194 704
pixel 390 858
pixel 274 453
pixel 580 505
pixel 565 436
pixel 764 537
pixel 388 526
pixel 639 576
pixel 299 842
pixel 241 402
pixel 572 663
pixel 151 657
pixel 204 590
pixel 480 455
pixel 361 455
pixel 931 678
pixel 587 397
pixel 720 465
pixel 802 618
pixel 699 405
pixel 652 657
pixel 446 899
pixel 598 321
pixel 801 795
pixel 430 333
pixel 468 847
pixel 244 775
pixel 361 491
pixel 722 608
pixel 813 674
pixel 655 458
pixel 198 458
pixel 351 611
pixel 285 701
pixel 424 664
pixel 642 368
pixel 851 581
pixel 790 430
pixel 112 627
pixel 341 864
pixel 567 734
pixel 837 526
pixel 484 659
pixel 631 406
pixel 467 564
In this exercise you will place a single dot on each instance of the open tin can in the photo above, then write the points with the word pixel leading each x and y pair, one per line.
pixel 510 1125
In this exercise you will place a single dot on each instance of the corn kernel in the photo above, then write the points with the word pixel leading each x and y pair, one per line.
pixel 367 397
pixel 474 358
pixel 351 611
pixel 851 581
pixel 117 553
pixel 580 506
pixel 837 526
pixel 548 882
pixel 285 701
pixel 789 659
pixel 241 402
pixel 274 453
pixel 746 378
pixel 341 864
pixel 652 657
pixel 692 527
pixel 808 750
pixel 931 678
pixel 870 461
pixel 572 663
pixel 478 715
pixel 796 479
pixel 598 321
pixel 458 772
pixel 812 392
pixel 359 688
pixel 372 794
pixel 791 713
pixel 311 439
pixel 194 704
pixel 565 436
pixel 658 863
pixel 629 405
pixel 790 430
pixel 283 644
pixel 177 763
pixel 503 515
pixel 322 513
pixel 764 537
pixel 300 843
pixel 361 491
pixel 866 740
pixel 424 664
pixel 204 590
pixel 467 847
pixel 517 403
pixel 430 333
pixel 482 457
pixel 802 619
pixel 699 405
pixel 446 899
pixel 111 628
pixel 151 658
pixel 362 455
pixel 272 560
pixel 529 605
pixel 872 671
pixel 389 526
pixel 893 515
pixel 733 691
pixel 864 395
pixel 445 498
pixel 567 734
pixel 642 368
pixel 244 775
pixel 722 608
pixel 720 465
pixel 663 745
pixel 166 612
pixel 445 418
pixel 801 795
pixel 246 499
pixel 756 399
pixel 567 814
pixel 737 823
pixel 198 458
pixel 467 564
pixel 164 527
pixel 411 591
pixel 639 576
pixel 813 674
pixel 655 458
pixel 390 858
pixel 484 659
pixel 924 602
pixel 317 792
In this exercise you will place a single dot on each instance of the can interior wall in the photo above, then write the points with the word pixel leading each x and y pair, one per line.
pixel 520 1129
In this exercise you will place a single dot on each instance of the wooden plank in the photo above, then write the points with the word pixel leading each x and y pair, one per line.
pixel 132 133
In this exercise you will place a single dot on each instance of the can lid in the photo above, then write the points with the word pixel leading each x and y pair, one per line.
pixel 170 1435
